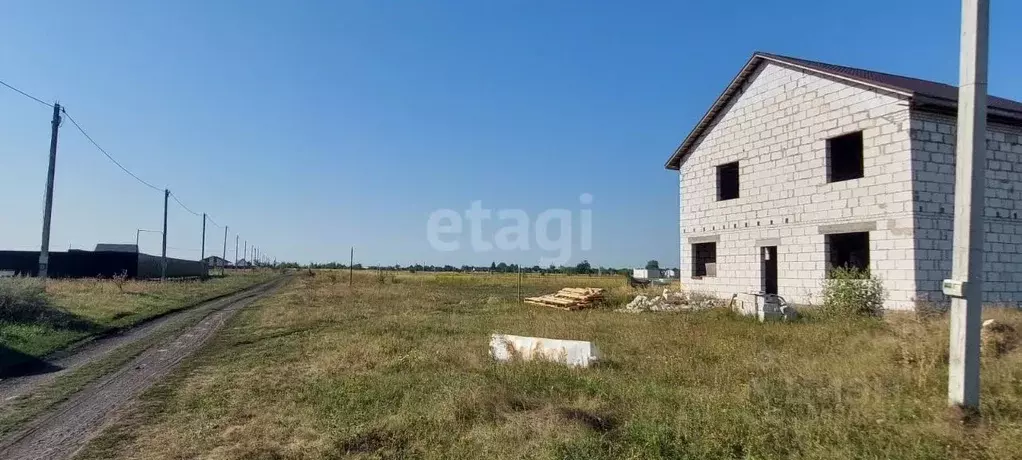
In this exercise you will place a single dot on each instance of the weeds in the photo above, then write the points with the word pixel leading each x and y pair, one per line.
pixel 850 292
pixel 119 280
pixel 23 299
pixel 37 318
pixel 401 370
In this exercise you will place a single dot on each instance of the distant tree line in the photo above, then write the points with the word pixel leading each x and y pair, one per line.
pixel 582 268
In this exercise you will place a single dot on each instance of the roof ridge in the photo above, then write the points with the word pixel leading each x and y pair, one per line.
pixel 934 94
pixel 857 69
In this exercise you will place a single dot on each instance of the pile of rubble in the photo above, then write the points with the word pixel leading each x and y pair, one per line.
pixel 669 301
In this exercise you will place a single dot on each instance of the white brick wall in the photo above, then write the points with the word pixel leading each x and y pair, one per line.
pixel 933 159
pixel 777 129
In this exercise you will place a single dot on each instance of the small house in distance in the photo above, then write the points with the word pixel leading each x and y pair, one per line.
pixel 216 262
pixel 646 273
pixel 800 166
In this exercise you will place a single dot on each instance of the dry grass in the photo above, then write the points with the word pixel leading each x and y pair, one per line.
pixel 398 368
pixel 69 310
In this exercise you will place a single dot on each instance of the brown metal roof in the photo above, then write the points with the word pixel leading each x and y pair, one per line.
pixel 924 92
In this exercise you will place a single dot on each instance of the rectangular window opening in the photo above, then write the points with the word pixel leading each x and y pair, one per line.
pixel 848 250
pixel 844 157
pixel 704 260
pixel 727 181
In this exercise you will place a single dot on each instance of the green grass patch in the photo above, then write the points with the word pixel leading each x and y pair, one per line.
pixel 401 370
pixel 39 318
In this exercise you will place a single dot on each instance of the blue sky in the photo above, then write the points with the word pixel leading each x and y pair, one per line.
pixel 312 126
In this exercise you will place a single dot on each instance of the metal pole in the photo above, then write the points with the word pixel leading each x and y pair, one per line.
pixel 163 262
pixel 137 232
pixel 44 249
pixel 966 284
pixel 351 268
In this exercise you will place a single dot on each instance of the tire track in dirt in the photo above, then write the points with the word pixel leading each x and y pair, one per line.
pixel 11 389
pixel 61 432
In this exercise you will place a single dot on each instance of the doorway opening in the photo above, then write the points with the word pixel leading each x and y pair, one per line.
pixel 768 264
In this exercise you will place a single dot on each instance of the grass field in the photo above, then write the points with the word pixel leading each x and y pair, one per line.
pixel 38 320
pixel 397 367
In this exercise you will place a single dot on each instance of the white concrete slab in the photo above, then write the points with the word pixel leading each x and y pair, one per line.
pixel 576 353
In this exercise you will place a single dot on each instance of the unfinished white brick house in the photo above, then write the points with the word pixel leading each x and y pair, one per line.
pixel 800 166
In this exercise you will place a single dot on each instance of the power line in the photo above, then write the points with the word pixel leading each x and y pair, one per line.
pixel 108 155
pixel 27 95
pixel 183 205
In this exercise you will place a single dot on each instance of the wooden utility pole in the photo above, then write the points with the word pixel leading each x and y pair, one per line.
pixel 44 249
pixel 163 260
pixel 966 284
pixel 519 283
pixel 351 267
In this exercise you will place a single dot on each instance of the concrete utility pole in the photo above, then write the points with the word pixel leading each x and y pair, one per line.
pixel 163 261
pixel 225 251
pixel 202 252
pixel 246 253
pixel 44 249
pixel 236 251
pixel 966 284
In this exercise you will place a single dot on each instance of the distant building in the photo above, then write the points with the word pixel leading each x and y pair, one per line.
pixel 114 247
pixel 243 264
pixel 646 273
pixel 216 262
pixel 669 273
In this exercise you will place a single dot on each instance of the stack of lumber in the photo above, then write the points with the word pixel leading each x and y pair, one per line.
pixel 568 298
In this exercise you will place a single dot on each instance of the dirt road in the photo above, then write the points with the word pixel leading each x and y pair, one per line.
pixel 64 430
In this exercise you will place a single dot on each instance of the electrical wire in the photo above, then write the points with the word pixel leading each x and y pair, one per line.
pixel 27 95
pixel 183 205
pixel 108 155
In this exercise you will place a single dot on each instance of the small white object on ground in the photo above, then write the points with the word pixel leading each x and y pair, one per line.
pixel 575 353
pixel 764 307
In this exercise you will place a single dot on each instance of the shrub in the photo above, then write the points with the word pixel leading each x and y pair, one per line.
pixel 119 280
pixel 23 299
pixel 383 277
pixel 853 292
